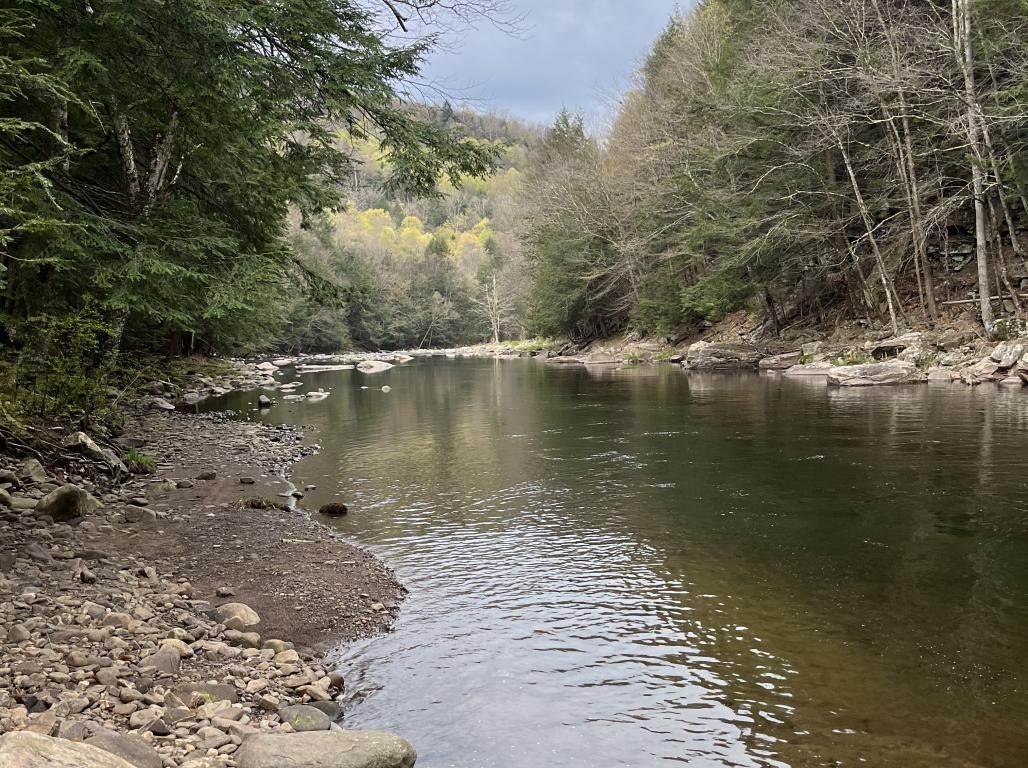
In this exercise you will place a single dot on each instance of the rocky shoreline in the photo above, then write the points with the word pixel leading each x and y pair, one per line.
pixel 170 620
pixel 911 358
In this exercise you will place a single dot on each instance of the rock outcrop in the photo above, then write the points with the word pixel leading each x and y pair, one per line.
pixel 66 503
pixel 326 749
pixel 24 749
pixel 709 356
pixel 873 374
pixel 373 366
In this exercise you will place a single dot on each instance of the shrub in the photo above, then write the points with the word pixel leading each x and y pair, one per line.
pixel 138 463
pixel 715 296
pixel 63 365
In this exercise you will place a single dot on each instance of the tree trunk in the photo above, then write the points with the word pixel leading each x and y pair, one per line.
pixel 127 154
pixel 964 48
pixel 59 126
pixel 866 217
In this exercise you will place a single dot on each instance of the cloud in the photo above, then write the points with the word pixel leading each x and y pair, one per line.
pixel 574 53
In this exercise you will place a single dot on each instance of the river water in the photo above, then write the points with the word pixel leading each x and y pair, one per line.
pixel 649 567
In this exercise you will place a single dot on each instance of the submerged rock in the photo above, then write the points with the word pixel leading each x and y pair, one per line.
pixel 333 510
pixel 326 749
pixel 809 369
pixel 873 374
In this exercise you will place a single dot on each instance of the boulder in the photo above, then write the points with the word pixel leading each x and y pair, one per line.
pixel 984 370
pixel 780 362
pixel 136 514
pixel 160 404
pixel 205 692
pixel 66 503
pixel 872 374
pixel 1007 354
pixel 707 356
pixel 333 510
pixel 166 660
pixel 891 347
pixel 373 366
pixel 5 499
pixel 129 747
pixel 601 358
pixel 809 369
pixel 326 749
pixel 237 616
pixel 82 443
pixel 955 339
pixel 304 718
pixel 267 367
pixel 943 375
pixel 263 401
pixel 117 465
pixel 32 471
pixel 24 749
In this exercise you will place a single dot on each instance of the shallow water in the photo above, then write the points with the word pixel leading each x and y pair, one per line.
pixel 647 567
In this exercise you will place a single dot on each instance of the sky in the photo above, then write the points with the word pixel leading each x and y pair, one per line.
pixel 575 53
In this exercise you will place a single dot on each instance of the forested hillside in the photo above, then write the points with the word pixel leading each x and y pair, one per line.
pixel 411 270
pixel 859 157
pixel 152 154
pixel 223 179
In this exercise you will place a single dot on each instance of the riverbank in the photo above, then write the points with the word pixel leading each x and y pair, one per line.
pixel 179 618
pixel 853 359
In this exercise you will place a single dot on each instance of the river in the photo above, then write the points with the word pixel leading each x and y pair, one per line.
pixel 646 567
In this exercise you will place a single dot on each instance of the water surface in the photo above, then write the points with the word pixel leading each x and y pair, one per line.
pixel 649 567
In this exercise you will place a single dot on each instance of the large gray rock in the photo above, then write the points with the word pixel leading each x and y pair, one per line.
pixel 304 718
pixel 872 374
pixel 129 747
pixel 985 369
pixel 707 356
pixel 892 347
pixel 326 749
pixel 780 362
pixel 32 471
pixel 942 375
pixel 238 616
pixel 809 369
pixel 373 366
pixel 24 749
pixel 205 692
pixel 66 503
pixel 82 443
pixel 1007 354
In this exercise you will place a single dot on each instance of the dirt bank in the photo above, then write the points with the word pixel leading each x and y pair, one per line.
pixel 308 585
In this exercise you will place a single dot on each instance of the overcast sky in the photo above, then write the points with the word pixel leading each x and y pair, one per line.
pixel 574 53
